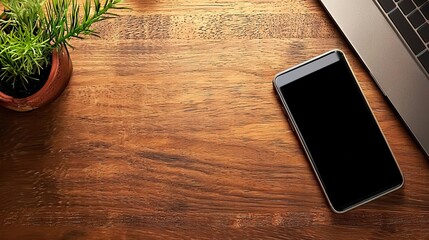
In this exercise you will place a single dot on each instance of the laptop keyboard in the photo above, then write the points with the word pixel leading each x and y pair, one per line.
pixel 411 19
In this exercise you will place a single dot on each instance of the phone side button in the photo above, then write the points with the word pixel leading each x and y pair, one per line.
pixel 288 120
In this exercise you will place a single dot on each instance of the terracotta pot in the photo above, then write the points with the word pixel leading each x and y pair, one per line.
pixel 58 79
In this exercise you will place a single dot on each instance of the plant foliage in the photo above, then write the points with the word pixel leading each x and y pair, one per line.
pixel 31 29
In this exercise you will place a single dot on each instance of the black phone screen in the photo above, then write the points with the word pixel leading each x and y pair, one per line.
pixel 341 136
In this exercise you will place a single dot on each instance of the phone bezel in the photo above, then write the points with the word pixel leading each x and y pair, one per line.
pixel 295 73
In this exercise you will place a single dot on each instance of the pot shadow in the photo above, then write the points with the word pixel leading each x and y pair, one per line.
pixel 27 162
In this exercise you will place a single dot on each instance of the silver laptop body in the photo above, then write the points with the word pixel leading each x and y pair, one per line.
pixel 390 62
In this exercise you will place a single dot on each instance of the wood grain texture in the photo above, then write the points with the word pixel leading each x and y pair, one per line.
pixel 170 129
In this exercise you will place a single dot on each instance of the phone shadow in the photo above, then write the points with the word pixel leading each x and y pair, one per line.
pixel 378 213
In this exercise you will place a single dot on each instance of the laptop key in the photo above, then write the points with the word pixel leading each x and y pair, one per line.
pixel 407 31
pixel 419 2
pixel 387 5
pixel 416 18
pixel 424 32
pixel 424 60
pixel 425 11
pixel 407 6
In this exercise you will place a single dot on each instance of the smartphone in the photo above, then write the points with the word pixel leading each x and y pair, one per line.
pixel 338 131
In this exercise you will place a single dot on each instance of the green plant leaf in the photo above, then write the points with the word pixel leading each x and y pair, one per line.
pixel 31 29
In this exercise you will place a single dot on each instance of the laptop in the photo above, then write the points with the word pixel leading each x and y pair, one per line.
pixel 392 39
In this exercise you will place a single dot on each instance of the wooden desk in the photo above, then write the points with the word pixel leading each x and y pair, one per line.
pixel 170 129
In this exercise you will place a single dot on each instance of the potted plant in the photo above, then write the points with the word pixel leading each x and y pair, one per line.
pixel 35 65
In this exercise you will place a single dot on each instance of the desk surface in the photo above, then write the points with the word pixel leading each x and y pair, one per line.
pixel 170 129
